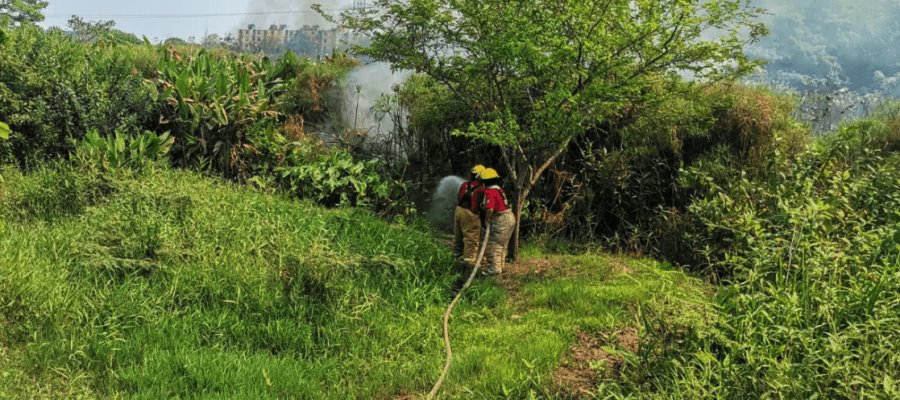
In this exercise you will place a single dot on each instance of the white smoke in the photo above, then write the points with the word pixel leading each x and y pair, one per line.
pixel 366 86
pixel 443 202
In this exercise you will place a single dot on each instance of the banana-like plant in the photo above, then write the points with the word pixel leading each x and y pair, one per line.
pixel 335 179
pixel 4 131
pixel 216 103
pixel 118 151
pixel 4 135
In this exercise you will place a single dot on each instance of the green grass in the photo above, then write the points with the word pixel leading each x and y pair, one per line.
pixel 511 339
pixel 172 285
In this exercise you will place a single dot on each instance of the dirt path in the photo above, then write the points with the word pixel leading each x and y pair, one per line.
pixel 590 358
pixel 593 355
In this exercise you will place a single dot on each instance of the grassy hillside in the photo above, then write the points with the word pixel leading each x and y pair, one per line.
pixel 172 285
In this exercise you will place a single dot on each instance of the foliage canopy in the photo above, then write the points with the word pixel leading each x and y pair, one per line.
pixel 21 11
pixel 536 74
pixel 90 31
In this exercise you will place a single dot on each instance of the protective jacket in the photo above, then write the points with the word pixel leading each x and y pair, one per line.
pixel 470 194
pixel 494 198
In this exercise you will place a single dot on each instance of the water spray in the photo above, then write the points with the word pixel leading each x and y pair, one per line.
pixel 444 200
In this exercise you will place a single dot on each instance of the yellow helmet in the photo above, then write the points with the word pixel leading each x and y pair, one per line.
pixel 478 169
pixel 489 173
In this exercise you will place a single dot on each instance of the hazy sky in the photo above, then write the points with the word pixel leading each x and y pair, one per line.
pixel 848 42
pixel 154 18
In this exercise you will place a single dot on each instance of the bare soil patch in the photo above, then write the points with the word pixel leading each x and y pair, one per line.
pixel 620 266
pixel 588 362
pixel 514 273
pixel 532 266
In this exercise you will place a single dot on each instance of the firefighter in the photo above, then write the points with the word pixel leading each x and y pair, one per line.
pixel 497 213
pixel 466 223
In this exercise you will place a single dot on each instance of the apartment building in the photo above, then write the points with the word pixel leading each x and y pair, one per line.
pixel 309 39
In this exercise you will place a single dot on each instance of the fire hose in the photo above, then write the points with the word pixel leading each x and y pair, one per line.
pixel 448 348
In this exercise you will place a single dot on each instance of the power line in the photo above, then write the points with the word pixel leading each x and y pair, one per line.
pixel 208 15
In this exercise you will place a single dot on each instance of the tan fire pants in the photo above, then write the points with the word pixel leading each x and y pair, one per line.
pixel 502 229
pixel 467 234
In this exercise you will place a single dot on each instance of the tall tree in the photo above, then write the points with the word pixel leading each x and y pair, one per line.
pixel 92 31
pixel 537 73
pixel 175 41
pixel 21 11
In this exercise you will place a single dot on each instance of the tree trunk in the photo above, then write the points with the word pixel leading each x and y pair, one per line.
pixel 514 242
pixel 524 184
pixel 521 196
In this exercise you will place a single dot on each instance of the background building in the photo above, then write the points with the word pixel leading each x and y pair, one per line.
pixel 310 39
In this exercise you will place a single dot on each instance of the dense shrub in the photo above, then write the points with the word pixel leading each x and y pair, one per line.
pixel 810 252
pixel 118 151
pixel 615 184
pixel 336 179
pixel 239 116
pixel 245 117
pixel 216 104
pixel 314 92
pixel 53 89
pixel 424 115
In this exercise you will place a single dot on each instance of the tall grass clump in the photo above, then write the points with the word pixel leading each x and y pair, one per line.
pixel 171 285
pixel 809 255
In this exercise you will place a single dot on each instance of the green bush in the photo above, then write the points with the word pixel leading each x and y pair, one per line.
pixel 313 91
pixel 617 184
pixel 809 251
pixel 216 105
pixel 225 112
pixel 337 179
pixel 54 89
pixel 240 116
pixel 117 151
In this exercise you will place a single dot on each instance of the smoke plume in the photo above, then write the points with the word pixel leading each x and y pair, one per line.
pixel 367 85
pixel 840 56
pixel 307 16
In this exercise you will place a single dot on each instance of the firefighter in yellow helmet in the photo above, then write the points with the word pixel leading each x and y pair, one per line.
pixel 498 213
pixel 466 223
